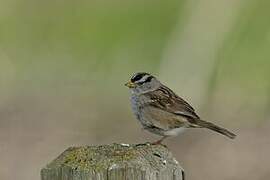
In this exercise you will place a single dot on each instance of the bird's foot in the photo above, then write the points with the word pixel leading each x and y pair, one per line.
pixel 144 144
pixel 159 142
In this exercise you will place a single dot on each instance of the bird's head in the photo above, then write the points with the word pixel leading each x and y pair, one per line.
pixel 141 82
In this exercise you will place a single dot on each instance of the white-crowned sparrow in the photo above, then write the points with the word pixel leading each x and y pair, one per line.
pixel 161 111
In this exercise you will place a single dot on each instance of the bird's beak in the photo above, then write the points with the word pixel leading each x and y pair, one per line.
pixel 130 84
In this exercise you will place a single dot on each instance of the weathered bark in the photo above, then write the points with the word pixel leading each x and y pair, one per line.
pixel 114 162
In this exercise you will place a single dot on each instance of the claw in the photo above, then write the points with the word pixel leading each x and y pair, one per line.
pixel 159 142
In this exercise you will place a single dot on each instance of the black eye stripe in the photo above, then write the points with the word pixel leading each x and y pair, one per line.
pixel 148 79
pixel 138 76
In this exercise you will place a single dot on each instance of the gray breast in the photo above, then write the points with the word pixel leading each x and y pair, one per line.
pixel 136 104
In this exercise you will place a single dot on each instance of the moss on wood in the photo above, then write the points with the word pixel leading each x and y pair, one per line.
pixel 119 160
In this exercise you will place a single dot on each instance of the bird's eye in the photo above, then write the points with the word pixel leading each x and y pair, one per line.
pixel 148 79
pixel 137 77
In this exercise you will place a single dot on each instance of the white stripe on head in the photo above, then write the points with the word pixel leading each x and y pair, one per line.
pixel 143 79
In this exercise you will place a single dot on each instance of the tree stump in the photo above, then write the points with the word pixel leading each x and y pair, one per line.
pixel 114 162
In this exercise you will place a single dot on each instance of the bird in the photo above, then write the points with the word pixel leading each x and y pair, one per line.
pixel 161 111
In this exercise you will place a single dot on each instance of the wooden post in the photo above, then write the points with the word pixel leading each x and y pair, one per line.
pixel 114 162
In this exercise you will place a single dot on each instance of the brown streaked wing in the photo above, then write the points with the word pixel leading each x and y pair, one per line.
pixel 161 119
pixel 165 99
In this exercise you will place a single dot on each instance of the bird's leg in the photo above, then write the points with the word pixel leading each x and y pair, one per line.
pixel 159 141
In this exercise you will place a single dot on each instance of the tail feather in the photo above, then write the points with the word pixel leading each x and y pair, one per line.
pixel 216 128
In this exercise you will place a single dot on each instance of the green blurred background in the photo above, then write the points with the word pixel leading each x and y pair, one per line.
pixel 63 65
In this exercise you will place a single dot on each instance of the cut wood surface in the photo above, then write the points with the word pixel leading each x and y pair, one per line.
pixel 114 162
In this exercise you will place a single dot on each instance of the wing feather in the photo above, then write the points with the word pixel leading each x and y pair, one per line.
pixel 165 99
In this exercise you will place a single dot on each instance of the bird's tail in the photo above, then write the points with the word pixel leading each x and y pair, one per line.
pixel 216 128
